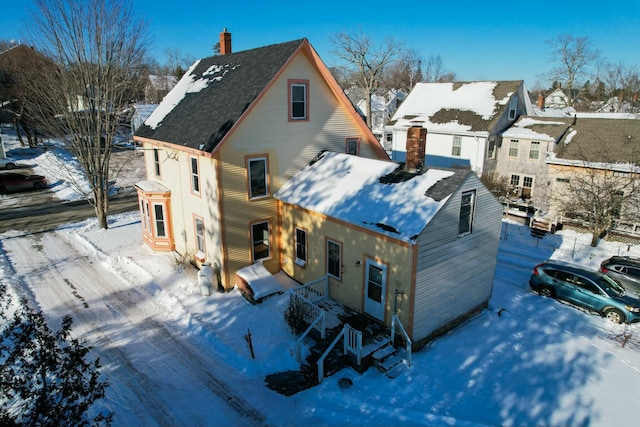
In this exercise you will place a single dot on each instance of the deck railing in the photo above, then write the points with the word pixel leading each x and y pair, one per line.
pixel 352 343
pixel 395 322
pixel 305 297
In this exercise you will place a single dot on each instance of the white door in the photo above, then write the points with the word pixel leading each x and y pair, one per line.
pixel 375 289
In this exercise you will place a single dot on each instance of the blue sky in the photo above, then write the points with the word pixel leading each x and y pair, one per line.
pixel 478 40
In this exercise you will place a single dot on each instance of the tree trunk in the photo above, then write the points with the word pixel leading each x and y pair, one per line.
pixel 102 208
pixel 594 239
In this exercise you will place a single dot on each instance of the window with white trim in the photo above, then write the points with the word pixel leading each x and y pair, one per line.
pixel 513 148
pixel 158 210
pixel 260 240
pixel 146 218
pixel 301 247
pixel 534 151
pixel 195 176
pixel 467 206
pixel 258 183
pixel 456 151
pixel 298 100
pixel 199 230
pixel 334 259
pixel 515 180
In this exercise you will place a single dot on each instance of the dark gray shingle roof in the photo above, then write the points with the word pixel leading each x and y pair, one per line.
pixel 201 119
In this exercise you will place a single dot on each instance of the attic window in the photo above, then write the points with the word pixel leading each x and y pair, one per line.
pixel 513 105
pixel 298 100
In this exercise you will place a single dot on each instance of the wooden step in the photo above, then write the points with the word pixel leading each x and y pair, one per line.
pixel 396 371
pixel 383 353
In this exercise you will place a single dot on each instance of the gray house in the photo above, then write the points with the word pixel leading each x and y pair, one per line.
pixel 397 244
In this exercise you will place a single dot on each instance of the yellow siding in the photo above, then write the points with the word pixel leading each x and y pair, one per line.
pixel 176 176
pixel 289 147
pixel 357 245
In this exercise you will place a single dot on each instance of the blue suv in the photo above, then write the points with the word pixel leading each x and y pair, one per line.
pixel 592 290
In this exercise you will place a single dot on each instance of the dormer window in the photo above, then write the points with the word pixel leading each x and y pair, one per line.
pixel 513 105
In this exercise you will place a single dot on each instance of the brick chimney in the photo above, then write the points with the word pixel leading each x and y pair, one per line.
pixel 225 42
pixel 541 101
pixel 416 145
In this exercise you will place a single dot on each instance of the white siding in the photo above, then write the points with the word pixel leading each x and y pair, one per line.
pixel 455 274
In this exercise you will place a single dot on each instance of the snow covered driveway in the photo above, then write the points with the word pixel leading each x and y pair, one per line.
pixel 142 357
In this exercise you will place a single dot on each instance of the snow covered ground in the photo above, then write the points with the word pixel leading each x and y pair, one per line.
pixel 175 357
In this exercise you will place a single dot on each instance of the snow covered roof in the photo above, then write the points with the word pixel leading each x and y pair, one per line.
pixel 213 94
pixel 460 106
pixel 374 194
pixel 538 128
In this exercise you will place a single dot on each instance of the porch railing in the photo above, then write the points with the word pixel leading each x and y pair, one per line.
pixel 352 343
pixel 395 322
pixel 305 297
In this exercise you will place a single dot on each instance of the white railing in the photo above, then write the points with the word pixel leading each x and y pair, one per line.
pixel 312 314
pixel 352 344
pixel 407 341
pixel 314 291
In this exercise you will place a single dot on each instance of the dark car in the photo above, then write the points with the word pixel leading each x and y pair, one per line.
pixel 592 290
pixel 625 270
pixel 13 182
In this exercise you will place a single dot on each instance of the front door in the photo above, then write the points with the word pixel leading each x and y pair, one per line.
pixel 375 289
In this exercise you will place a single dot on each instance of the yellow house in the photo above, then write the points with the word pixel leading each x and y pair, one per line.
pixel 392 239
pixel 228 136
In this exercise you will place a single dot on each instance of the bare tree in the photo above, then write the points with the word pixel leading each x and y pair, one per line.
pixel 405 72
pixel 99 48
pixel 366 60
pixel 599 196
pixel 573 56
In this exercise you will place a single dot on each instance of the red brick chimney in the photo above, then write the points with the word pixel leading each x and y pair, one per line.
pixel 541 101
pixel 225 42
pixel 416 145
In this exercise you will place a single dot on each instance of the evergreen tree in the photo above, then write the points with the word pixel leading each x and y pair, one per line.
pixel 45 378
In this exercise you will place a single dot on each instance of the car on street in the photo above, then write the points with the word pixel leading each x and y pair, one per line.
pixel 592 290
pixel 624 269
pixel 7 163
pixel 13 182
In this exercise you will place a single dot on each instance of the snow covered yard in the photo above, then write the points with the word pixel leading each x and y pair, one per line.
pixel 175 357
pixel 526 360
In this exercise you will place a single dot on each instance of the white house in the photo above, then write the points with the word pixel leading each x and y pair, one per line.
pixel 462 119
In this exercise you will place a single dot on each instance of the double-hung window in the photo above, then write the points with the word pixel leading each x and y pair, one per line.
pixel 260 240
pixel 534 152
pixel 467 203
pixel 513 148
pixel 334 259
pixel 456 151
pixel 195 176
pixel 258 181
pixel 301 247
pixel 158 210
pixel 298 100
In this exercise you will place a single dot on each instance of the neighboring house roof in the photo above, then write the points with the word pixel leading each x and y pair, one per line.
pixel 459 106
pixel 538 128
pixel 374 194
pixel 604 141
pixel 557 99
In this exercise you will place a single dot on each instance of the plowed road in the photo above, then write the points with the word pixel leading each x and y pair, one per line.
pixel 167 378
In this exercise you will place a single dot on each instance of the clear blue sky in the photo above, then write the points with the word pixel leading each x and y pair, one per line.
pixel 478 40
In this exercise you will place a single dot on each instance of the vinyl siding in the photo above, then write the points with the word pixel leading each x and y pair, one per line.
pixel 289 147
pixel 455 274
pixel 357 245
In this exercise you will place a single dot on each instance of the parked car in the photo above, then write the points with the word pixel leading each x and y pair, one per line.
pixel 625 270
pixel 592 290
pixel 13 182
pixel 7 163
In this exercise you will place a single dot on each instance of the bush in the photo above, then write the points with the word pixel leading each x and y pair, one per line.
pixel 294 315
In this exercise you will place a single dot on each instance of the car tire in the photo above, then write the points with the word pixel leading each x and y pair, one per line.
pixel 546 291
pixel 613 315
pixel 10 166
pixel 3 190
pixel 38 186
